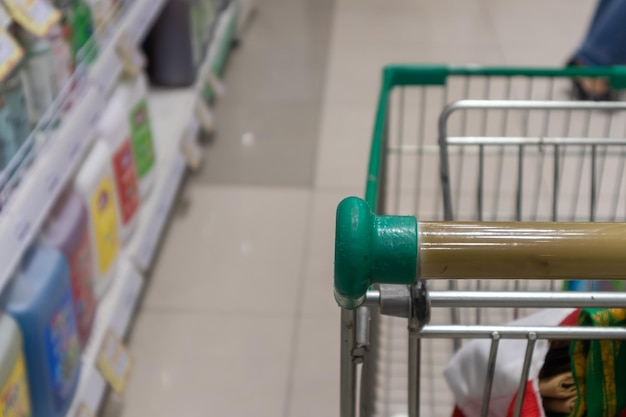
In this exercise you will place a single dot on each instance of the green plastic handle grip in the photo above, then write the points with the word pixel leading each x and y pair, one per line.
pixel 371 249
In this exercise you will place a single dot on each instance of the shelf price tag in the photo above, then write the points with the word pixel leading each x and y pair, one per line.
pixel 215 84
pixel 36 16
pixel 133 61
pixel 190 148
pixel 205 117
pixel 83 411
pixel 114 361
pixel 10 53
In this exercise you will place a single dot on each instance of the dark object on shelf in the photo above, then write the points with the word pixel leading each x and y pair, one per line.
pixel 173 47
pixel 222 5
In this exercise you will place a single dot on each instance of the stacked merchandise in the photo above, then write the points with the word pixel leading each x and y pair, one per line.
pixel 179 40
pixel 48 309
pixel 51 42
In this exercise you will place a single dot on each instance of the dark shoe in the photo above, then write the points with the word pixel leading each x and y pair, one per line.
pixel 580 93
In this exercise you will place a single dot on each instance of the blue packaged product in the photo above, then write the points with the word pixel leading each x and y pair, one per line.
pixel 40 300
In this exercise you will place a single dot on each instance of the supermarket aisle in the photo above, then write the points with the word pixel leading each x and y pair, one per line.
pixel 239 317
pixel 219 327
pixel 268 120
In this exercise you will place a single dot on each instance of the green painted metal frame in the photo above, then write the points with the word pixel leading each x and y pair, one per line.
pixel 382 249
pixel 437 75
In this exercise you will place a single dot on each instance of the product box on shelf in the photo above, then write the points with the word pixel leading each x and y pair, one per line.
pixel 67 230
pixel 134 93
pixel 174 46
pixel 95 184
pixel 114 132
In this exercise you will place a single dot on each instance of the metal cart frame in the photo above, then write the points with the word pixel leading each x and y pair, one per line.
pixel 377 272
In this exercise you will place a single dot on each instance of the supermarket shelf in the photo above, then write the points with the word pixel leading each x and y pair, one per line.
pixel 173 117
pixel 22 217
pixel 115 312
pixel 170 171
pixel 136 21
pixel 224 35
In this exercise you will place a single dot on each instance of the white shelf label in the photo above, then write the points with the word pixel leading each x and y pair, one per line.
pixel 114 362
pixel 189 147
pixel 132 59
pixel 205 117
pixel 216 85
pixel 84 411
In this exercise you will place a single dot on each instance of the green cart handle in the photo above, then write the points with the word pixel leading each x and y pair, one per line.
pixel 372 249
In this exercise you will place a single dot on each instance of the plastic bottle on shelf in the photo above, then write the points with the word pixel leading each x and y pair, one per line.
pixel 222 5
pixel 14 391
pixel 62 57
pixel 134 94
pixel 40 82
pixel 113 130
pixel 95 184
pixel 40 299
pixel 78 21
pixel 67 230
pixel 65 7
pixel 83 29
pixel 174 45
pixel 14 120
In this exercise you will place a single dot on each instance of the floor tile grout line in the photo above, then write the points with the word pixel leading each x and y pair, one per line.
pixel 297 317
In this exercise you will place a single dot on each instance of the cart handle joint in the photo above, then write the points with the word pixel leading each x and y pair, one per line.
pixel 371 249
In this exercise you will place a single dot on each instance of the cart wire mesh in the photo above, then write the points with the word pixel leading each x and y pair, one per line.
pixel 516 149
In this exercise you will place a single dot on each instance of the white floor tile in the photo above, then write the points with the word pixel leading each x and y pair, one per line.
pixel 201 365
pixel 315 385
pixel 355 70
pixel 426 23
pixel 344 145
pixel 234 250
pixel 540 24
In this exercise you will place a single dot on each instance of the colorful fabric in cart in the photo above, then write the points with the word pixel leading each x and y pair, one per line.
pixel 577 379
pixel 599 367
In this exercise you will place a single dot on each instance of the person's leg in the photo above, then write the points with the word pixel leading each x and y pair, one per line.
pixel 600 9
pixel 605 43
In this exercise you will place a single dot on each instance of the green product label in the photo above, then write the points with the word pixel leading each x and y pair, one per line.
pixel 141 136
pixel 82 31
pixel 196 33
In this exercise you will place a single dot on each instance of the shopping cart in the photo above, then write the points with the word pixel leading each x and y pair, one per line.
pixel 484 146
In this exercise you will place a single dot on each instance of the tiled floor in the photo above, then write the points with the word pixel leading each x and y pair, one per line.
pixel 239 318
pixel 274 85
